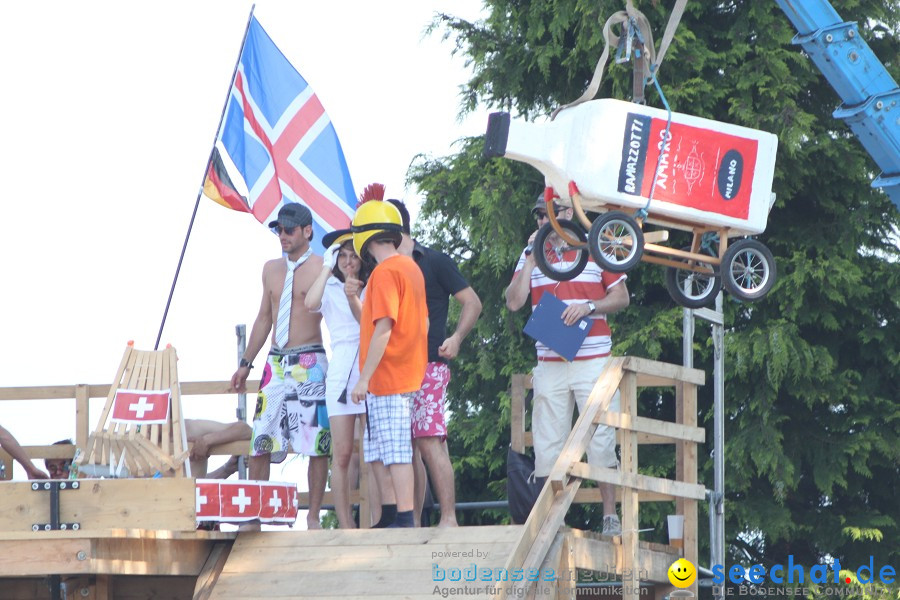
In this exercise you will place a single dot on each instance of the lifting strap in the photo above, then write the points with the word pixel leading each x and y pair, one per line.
pixel 647 61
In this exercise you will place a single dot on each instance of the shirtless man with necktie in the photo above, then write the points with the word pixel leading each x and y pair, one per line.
pixel 293 380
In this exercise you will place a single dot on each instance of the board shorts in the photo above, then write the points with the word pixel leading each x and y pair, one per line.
pixel 428 405
pixel 290 406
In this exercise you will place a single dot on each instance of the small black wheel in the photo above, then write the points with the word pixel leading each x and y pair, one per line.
pixel 691 289
pixel 554 257
pixel 748 270
pixel 616 242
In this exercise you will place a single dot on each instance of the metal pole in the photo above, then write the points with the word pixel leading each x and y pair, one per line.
pixel 187 237
pixel 716 318
pixel 718 331
pixel 241 331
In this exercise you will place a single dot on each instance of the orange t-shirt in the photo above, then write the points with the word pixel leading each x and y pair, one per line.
pixel 396 290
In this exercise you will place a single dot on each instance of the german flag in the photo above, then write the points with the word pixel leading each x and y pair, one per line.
pixel 219 188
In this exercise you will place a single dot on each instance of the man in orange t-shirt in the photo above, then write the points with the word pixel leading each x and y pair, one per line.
pixel 393 349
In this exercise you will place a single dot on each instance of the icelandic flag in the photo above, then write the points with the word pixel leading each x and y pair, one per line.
pixel 279 138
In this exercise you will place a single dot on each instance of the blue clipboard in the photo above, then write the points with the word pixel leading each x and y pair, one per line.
pixel 546 326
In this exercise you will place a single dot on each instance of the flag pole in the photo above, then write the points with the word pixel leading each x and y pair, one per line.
pixel 205 171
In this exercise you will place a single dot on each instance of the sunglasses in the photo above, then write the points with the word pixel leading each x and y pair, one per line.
pixel 541 215
pixel 307 403
pixel 288 230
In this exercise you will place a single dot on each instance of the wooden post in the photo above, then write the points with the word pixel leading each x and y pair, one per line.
pixel 630 506
pixel 82 415
pixel 365 518
pixel 686 468
pixel 517 413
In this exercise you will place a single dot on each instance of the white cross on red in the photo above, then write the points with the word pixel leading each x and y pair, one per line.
pixel 242 501
pixel 201 500
pixel 275 501
pixel 141 406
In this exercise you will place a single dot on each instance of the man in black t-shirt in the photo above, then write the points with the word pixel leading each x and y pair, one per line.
pixel 429 430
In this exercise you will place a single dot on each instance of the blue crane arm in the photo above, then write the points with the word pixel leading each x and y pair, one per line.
pixel 870 96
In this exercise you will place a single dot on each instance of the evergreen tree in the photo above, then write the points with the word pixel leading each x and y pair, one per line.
pixel 812 371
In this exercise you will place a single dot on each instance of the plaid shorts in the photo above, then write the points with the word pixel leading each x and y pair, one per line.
pixel 387 437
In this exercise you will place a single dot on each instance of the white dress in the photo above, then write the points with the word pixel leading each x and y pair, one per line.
pixel 343 367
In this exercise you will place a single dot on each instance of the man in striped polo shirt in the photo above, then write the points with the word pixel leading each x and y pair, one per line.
pixel 593 294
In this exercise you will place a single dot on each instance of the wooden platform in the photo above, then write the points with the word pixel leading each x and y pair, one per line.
pixel 375 564
pixel 163 556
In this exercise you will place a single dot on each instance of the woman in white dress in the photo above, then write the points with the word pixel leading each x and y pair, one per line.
pixel 336 294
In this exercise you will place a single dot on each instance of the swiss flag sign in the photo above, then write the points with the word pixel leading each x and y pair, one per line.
pixel 290 513
pixel 207 500
pixel 240 501
pixel 274 502
pixel 141 406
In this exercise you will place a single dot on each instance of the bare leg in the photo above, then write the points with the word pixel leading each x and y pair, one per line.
pixel 198 468
pixel 384 477
pixel 420 477
pixel 259 470
pixel 375 496
pixel 437 457
pixel 608 495
pixel 402 476
pixel 259 467
pixel 316 476
pixel 342 450
pixel 226 470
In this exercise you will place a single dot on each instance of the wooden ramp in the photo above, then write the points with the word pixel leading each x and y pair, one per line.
pixel 374 564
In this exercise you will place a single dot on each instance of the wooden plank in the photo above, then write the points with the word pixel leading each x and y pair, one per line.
pixel 661 429
pixel 290 540
pixel 583 431
pixel 674 373
pixel 592 496
pixel 38 558
pixel 138 556
pixel 135 587
pixel 82 415
pixel 639 482
pixel 207 388
pixel 596 553
pixel 686 470
pixel 375 558
pixel 212 569
pixel 352 583
pixel 41 392
pixel 101 390
pixel 178 437
pixel 630 505
pixel 100 504
pixel 517 413
pixel 127 359
pixel 103 587
pixel 532 527
pixel 566 569
pixel 549 528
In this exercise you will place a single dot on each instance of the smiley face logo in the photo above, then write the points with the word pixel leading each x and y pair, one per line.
pixel 682 573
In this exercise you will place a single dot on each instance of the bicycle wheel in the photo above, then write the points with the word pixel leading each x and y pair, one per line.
pixel 748 270
pixel 556 259
pixel 616 242
pixel 692 289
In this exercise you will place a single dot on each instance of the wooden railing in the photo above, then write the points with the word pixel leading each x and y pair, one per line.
pixel 539 545
pixel 82 394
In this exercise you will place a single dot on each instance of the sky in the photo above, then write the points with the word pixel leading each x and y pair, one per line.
pixel 110 110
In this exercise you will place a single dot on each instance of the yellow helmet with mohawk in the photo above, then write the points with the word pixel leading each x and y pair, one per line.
pixel 375 219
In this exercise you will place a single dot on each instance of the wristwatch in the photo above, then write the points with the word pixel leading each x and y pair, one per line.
pixel 592 306
pixel 245 363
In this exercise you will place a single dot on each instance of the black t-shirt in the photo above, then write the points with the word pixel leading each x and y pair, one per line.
pixel 442 280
